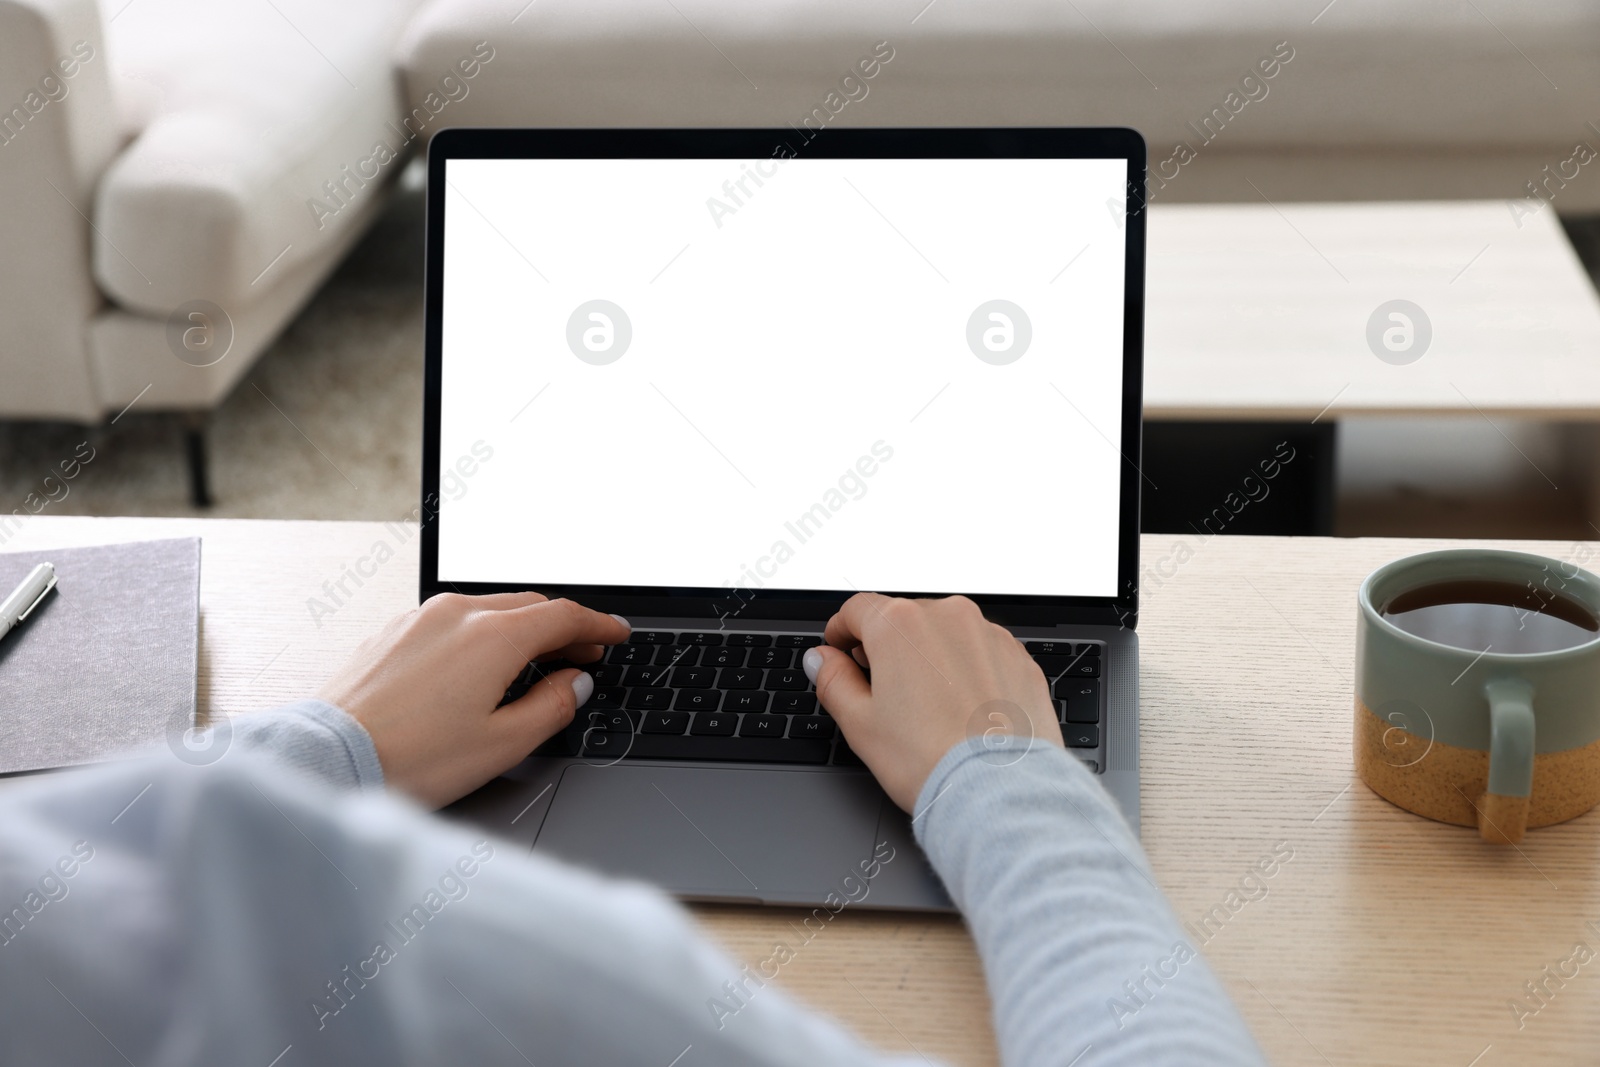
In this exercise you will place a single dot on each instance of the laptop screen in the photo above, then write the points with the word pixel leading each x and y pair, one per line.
pixel 808 374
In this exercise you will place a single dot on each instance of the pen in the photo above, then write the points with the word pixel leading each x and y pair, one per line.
pixel 27 596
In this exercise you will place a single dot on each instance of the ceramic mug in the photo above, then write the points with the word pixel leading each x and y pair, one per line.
pixel 1503 741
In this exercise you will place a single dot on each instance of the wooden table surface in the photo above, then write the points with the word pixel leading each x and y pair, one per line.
pixel 1259 311
pixel 1386 939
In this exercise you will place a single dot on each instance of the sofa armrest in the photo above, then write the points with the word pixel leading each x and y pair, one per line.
pixel 58 131
pixel 257 157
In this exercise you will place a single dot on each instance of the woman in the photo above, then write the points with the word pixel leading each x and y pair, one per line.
pixel 284 907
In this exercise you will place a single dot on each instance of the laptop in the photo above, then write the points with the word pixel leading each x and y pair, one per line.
pixel 716 382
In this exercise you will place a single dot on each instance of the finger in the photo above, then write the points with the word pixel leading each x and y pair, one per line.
pixel 841 687
pixel 506 601
pixel 584 653
pixel 544 711
pixel 846 628
pixel 555 624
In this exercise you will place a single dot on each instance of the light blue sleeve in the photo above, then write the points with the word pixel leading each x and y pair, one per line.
pixel 313 737
pixel 240 913
pixel 1085 960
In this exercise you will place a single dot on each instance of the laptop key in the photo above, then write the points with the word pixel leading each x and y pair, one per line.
pixel 724 657
pixel 665 722
pixel 1066 686
pixel 750 640
pixel 1087 649
pixel 713 724
pixel 1053 666
pixel 1084 667
pixel 798 640
pixel 1080 701
pixel 740 749
pixel 1080 736
pixel 612 722
pixel 700 638
pixel 645 676
pixel 649 699
pixel 772 657
pixel 603 743
pixel 812 726
pixel 677 655
pixel 1048 648
pixel 607 674
pixel 794 703
pixel 738 678
pixel 697 700
pixel 787 680
pixel 606 698
pixel 629 654
pixel 650 637
pixel 763 726
pixel 693 677
pixel 749 701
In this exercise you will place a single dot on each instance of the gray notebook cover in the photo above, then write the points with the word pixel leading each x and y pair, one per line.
pixel 107 663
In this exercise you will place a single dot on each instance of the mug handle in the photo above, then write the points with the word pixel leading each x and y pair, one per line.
pixel 1503 807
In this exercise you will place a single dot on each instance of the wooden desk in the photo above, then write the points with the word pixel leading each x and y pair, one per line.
pixel 1385 940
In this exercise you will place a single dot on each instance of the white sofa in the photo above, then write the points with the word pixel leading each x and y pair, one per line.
pixel 1423 99
pixel 158 153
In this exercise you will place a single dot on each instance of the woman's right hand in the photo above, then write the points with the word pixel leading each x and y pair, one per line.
pixel 941 673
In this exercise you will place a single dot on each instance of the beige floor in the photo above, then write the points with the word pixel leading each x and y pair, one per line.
pixel 347 443
pixel 347 376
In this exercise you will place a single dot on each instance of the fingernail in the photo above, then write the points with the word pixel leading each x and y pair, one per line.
pixel 624 622
pixel 583 688
pixel 811 663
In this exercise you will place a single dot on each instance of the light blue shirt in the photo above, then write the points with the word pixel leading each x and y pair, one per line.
pixel 277 908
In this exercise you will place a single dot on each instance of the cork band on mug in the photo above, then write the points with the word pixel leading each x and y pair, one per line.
pixel 1496 740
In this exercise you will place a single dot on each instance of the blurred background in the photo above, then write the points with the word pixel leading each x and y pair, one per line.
pixel 211 223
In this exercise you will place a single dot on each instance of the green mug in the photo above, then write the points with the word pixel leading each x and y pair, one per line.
pixel 1500 740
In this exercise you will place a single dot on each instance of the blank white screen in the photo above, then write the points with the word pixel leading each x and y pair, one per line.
pixel 785 337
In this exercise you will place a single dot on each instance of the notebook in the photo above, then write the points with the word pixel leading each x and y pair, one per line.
pixel 108 662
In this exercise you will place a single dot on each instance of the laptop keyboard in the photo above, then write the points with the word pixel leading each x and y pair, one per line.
pixel 736 696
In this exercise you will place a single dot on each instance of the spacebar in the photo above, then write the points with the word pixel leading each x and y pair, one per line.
pixel 749 749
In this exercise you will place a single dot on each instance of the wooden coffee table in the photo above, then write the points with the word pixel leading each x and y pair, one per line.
pixel 1260 313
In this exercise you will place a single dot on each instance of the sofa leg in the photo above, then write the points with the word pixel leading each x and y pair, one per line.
pixel 194 440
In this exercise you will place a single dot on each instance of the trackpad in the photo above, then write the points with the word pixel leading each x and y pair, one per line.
pixel 773 836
